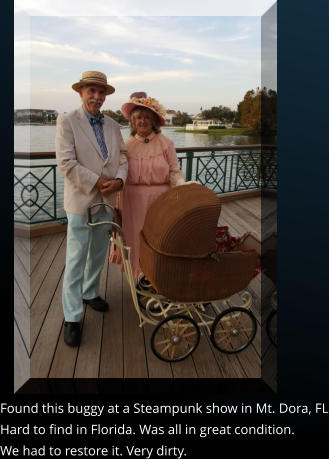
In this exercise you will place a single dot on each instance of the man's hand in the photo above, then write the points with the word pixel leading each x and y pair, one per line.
pixel 107 187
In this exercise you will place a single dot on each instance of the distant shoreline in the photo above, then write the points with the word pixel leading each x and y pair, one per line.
pixel 229 131
pixel 35 124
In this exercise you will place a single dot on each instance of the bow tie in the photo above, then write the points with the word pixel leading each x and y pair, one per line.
pixel 99 119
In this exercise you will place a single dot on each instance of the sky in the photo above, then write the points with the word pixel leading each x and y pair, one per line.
pixel 186 62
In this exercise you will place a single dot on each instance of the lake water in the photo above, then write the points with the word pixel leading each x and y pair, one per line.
pixel 33 192
pixel 42 138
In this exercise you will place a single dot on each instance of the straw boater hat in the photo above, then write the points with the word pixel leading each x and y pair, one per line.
pixel 93 77
pixel 140 99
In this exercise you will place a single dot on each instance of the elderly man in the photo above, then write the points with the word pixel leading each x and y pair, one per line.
pixel 90 154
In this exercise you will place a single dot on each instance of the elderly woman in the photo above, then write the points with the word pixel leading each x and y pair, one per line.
pixel 152 169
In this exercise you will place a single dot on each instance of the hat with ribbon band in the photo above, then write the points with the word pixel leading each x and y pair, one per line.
pixel 92 77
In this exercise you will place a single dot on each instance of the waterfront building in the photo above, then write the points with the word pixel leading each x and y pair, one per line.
pixel 198 122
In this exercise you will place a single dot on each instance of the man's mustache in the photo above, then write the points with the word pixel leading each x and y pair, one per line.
pixel 95 101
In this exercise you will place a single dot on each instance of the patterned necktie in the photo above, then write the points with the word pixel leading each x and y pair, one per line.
pixel 97 125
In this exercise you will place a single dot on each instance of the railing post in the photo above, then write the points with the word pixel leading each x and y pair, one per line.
pixel 55 192
pixel 189 164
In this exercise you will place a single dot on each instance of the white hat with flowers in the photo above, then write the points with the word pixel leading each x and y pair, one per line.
pixel 140 99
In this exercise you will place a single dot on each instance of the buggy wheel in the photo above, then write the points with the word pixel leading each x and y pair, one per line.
pixel 271 327
pixel 175 338
pixel 233 330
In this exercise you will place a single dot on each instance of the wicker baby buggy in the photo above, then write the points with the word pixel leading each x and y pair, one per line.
pixel 185 284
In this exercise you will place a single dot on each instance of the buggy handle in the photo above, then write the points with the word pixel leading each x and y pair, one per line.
pixel 112 224
pixel 90 219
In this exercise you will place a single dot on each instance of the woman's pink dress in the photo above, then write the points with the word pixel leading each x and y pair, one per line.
pixel 152 169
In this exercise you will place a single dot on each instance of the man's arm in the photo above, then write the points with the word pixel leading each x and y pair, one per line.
pixel 80 176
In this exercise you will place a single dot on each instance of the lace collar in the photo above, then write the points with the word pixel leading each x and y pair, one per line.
pixel 145 139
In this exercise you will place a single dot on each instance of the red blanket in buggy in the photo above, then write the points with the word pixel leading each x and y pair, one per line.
pixel 227 243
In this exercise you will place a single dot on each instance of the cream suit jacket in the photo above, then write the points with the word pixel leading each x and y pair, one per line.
pixel 80 160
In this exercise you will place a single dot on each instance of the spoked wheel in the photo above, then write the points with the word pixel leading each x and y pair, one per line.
pixel 271 327
pixel 233 330
pixel 175 338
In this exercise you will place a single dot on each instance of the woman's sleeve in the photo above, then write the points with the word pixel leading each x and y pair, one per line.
pixel 176 176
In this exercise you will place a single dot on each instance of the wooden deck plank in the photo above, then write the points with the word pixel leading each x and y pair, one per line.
pixel 250 361
pixel 204 359
pixel 236 227
pixel 269 367
pixel 63 364
pixel 184 369
pixel 229 364
pixel 22 315
pixel 38 250
pixel 22 278
pixel 269 207
pixel 241 220
pixel 133 338
pixel 111 363
pixel 262 291
pixel 24 240
pixel 269 224
pixel 87 365
pixel 256 285
pixel 251 205
pixel 44 297
pixel 22 251
pixel 45 264
pixel 21 360
pixel 33 242
pixel 46 344
pixel 257 342
pixel 246 210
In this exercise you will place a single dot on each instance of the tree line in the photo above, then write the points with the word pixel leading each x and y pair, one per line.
pixel 256 112
pixel 39 117
pixel 117 116
pixel 180 119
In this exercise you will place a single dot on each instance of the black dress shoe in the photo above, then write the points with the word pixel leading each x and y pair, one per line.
pixel 72 333
pixel 97 303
